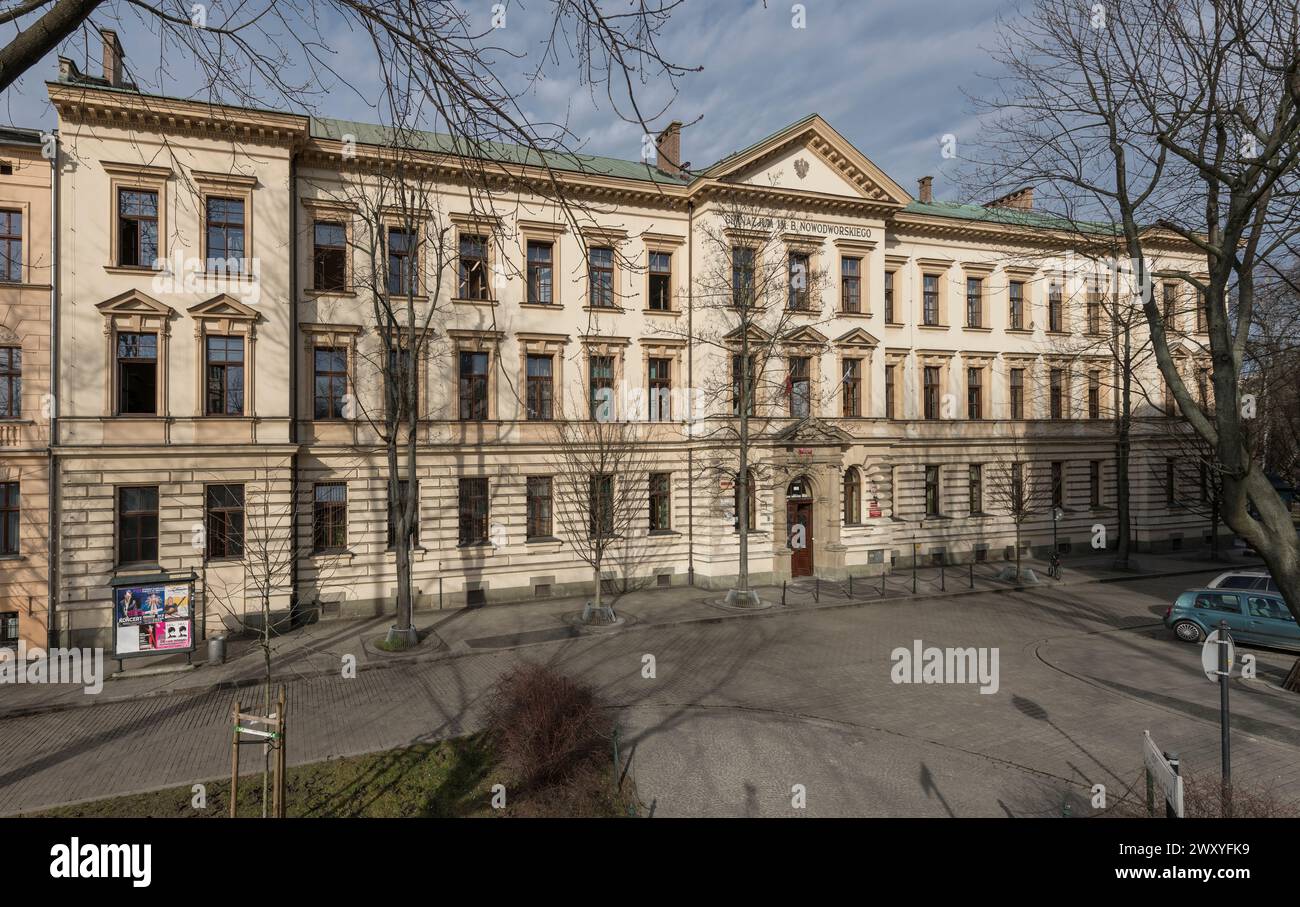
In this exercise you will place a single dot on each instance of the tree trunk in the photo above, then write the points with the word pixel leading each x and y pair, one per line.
pixel 1123 440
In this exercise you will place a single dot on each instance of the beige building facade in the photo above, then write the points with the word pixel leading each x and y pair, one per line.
pixel 26 400
pixel 218 355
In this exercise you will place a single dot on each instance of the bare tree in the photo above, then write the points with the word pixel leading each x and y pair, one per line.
pixel 1011 489
pixel 1178 123
pixel 601 495
pixel 761 300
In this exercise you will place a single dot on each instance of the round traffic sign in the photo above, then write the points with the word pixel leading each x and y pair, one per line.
pixel 1210 655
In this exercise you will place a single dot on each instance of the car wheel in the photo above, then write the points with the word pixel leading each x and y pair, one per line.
pixel 1187 631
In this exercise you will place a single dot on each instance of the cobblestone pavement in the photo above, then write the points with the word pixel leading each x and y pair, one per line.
pixel 741 711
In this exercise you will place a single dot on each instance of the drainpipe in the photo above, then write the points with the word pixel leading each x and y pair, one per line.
pixel 52 463
pixel 690 383
pixel 293 383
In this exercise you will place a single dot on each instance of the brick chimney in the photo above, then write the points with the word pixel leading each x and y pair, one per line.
pixel 1020 200
pixel 112 57
pixel 925 188
pixel 668 149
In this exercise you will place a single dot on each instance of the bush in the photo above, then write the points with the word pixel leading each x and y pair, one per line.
pixel 547 729
pixel 1203 799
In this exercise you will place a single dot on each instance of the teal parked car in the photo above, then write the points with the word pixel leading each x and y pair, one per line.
pixel 1261 618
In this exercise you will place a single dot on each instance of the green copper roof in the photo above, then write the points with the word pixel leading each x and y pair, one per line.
pixel 437 142
pixel 1008 216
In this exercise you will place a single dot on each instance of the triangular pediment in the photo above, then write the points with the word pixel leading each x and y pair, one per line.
pixel 857 337
pixel 812 431
pixel 810 156
pixel 223 306
pixel 805 334
pixel 755 334
pixel 133 302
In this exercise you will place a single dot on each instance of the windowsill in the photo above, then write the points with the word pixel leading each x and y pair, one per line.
pixel 138 567
pixel 1058 333
pixel 461 300
pixel 13 557
pixel 136 416
pixel 1020 330
pixel 548 306
pixel 219 561
pixel 17 420
pixel 131 269
pixel 415 297
pixel 471 546
pixel 934 327
pixel 24 285
pixel 674 313
pixel 239 277
pixel 894 324
pixel 615 309
pixel 342 292
pixel 340 553
pixel 663 532
pixel 225 417
pixel 845 313
pixel 542 540
pixel 979 327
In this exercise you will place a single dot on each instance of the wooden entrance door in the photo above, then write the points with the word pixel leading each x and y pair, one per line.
pixel 799 513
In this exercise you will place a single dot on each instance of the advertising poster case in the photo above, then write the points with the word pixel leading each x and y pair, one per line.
pixel 153 618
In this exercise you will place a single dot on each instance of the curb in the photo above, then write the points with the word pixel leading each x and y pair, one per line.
pixel 459 650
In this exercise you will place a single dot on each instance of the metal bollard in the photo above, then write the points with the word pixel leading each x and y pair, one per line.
pixel 217 650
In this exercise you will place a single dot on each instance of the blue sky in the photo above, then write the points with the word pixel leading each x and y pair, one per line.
pixel 888 74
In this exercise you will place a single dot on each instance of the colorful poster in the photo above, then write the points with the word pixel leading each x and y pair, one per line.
pixel 153 619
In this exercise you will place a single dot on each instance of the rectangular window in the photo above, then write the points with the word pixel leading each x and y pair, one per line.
pixel 1018 502
pixel 851 284
pixel 976 488
pixel 401 262
pixel 931 490
pixel 329 256
pixel 330 382
pixel 852 388
pixel 742 277
pixel 9 629
pixel 890 371
pixel 472 268
pixel 889 298
pixel 930 299
pixel 661 387
pixel 137 525
pixel 1094 484
pixel 224 369
pixel 11 382
pixel 1058 483
pixel 600 264
pixel 601 387
pixel 1094 394
pixel 660 515
pixel 539 507
pixel 974 393
pixel 540 387
pixel 137 228
pixel 225 519
pixel 1056 395
pixel 225 231
pixel 1202 387
pixel 800 386
pixel 541 273
pixel 1054 308
pixel 1169 306
pixel 329 516
pixel 403 489
pixel 736 390
pixel 1202 311
pixel 401 368
pixel 1170 491
pixel 661 281
pixel 1017 393
pixel 600 506
pixel 1094 312
pixel 137 374
pixel 473 386
pixel 11 246
pixel 1017 315
pixel 10 507
pixel 930 391
pixel 799 271
pixel 974 302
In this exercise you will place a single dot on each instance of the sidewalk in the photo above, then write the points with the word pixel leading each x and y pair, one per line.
pixel 321 648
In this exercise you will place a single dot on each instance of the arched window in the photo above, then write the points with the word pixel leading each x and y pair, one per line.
pixel 752 498
pixel 852 497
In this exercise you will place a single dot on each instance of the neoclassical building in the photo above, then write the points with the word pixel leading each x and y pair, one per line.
pixel 217 353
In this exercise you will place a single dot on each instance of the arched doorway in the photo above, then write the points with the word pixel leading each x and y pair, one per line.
pixel 799 526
